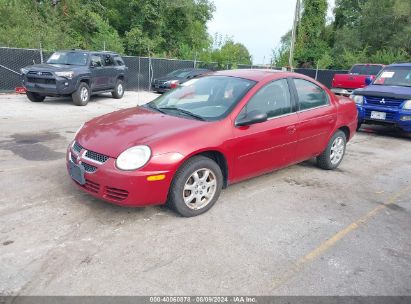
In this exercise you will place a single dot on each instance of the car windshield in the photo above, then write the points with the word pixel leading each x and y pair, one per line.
pixel 207 98
pixel 179 73
pixel 363 69
pixel 395 76
pixel 68 58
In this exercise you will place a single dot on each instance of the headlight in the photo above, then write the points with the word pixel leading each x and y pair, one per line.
pixel 68 74
pixel 24 71
pixel 133 158
pixel 358 99
pixel 81 127
pixel 407 105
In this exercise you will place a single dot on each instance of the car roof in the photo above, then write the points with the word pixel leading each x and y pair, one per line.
pixel 405 64
pixel 89 52
pixel 255 74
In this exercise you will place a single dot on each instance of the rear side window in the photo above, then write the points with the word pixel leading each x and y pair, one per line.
pixel 108 60
pixel 273 99
pixel 309 94
pixel 118 60
pixel 363 69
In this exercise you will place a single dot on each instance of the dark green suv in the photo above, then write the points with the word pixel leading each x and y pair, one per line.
pixel 76 73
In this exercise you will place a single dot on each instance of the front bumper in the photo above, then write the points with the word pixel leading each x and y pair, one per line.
pixel 394 116
pixel 344 92
pixel 124 188
pixel 53 86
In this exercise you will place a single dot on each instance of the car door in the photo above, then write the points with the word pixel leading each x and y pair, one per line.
pixel 109 71
pixel 269 145
pixel 97 72
pixel 317 118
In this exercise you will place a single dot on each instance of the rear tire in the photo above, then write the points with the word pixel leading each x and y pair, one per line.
pixel 34 97
pixel 331 158
pixel 118 90
pixel 359 126
pixel 81 96
pixel 196 186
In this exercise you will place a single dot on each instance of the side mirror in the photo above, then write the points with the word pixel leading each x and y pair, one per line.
pixel 251 118
pixel 368 80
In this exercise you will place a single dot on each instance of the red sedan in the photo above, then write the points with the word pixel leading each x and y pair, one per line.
pixel 185 146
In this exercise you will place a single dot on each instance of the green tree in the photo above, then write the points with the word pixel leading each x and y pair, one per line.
pixel 310 42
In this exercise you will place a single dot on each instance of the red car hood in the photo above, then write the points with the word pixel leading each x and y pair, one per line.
pixel 113 133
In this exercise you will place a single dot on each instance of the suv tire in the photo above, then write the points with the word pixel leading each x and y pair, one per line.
pixel 118 90
pixel 34 97
pixel 81 96
pixel 196 186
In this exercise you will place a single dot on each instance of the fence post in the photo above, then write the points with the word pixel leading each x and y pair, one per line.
pixel 41 53
pixel 316 72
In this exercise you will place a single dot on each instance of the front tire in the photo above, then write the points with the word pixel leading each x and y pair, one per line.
pixel 331 158
pixel 34 97
pixel 196 186
pixel 118 90
pixel 81 96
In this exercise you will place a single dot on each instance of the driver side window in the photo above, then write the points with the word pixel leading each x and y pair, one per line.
pixel 273 99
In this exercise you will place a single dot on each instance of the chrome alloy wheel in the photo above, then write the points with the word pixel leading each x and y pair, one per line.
pixel 84 94
pixel 337 150
pixel 199 189
pixel 120 89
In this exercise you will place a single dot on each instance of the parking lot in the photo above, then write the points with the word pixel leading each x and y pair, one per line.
pixel 297 231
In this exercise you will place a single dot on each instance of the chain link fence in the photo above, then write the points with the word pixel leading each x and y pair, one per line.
pixel 141 70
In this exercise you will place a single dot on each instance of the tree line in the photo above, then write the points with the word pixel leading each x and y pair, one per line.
pixel 160 28
pixel 361 31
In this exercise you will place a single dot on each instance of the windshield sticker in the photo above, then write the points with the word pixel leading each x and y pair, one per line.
pixel 387 74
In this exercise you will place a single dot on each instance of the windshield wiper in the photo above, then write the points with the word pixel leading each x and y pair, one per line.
pixel 182 111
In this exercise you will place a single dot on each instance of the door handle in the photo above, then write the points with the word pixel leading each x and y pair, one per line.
pixel 291 129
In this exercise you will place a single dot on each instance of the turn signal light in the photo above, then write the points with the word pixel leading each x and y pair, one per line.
pixel 154 178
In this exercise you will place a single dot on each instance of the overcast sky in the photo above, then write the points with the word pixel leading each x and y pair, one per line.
pixel 258 24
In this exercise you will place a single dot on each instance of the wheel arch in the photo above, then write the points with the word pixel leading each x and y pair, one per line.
pixel 216 156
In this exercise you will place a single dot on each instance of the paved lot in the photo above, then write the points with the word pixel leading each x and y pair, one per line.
pixel 298 231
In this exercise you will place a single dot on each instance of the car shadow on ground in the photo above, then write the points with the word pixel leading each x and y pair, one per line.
pixel 68 100
pixel 385 131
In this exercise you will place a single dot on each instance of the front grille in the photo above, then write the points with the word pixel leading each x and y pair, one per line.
pixel 73 158
pixel 384 102
pixel 89 168
pixel 96 156
pixel 41 73
pixel 389 115
pixel 115 194
pixel 41 80
pixel 91 186
pixel 77 147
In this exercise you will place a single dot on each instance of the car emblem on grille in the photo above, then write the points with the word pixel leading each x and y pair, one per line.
pixel 382 101
pixel 39 73
pixel 78 159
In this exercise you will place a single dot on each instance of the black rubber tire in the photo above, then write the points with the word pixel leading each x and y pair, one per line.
pixel 324 160
pixel 76 96
pixel 115 93
pixel 34 97
pixel 175 197
pixel 359 126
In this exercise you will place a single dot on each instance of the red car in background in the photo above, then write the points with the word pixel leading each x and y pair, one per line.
pixel 186 145
pixel 345 84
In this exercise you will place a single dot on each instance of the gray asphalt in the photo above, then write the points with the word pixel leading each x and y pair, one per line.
pixel 297 231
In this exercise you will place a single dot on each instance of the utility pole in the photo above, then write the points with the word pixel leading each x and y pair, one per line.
pixel 294 34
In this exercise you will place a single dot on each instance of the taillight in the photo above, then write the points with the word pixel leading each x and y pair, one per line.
pixel 174 84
